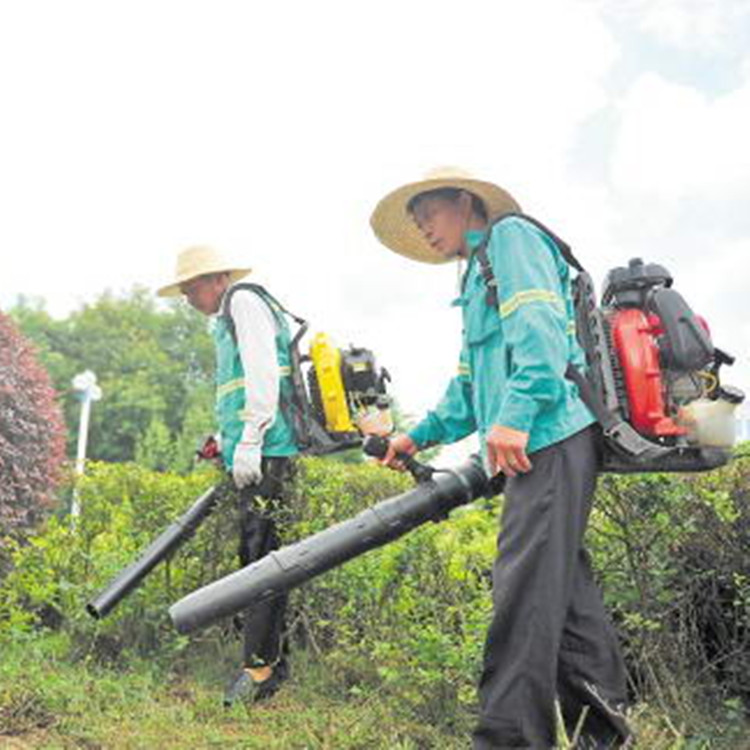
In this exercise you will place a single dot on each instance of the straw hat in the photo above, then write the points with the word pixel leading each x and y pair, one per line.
pixel 196 261
pixel 395 228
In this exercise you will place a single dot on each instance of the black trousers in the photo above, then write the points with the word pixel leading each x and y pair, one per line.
pixel 259 504
pixel 550 638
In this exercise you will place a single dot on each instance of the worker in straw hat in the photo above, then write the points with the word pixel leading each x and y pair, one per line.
pixel 549 639
pixel 257 442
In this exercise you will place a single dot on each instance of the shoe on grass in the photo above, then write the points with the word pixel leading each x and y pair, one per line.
pixel 247 686
pixel 239 689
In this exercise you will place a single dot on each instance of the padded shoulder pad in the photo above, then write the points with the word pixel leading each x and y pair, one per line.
pixel 227 301
pixel 562 246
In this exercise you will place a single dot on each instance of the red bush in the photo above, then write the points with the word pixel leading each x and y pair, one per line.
pixel 32 444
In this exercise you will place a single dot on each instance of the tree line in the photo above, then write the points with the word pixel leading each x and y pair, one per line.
pixel 153 362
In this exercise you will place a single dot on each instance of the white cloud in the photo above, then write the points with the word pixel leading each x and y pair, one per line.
pixel 679 178
pixel 692 25
pixel 271 130
pixel 674 141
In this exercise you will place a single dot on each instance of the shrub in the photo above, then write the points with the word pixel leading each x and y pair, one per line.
pixel 123 508
pixel 411 615
pixel 31 433
pixel 672 555
pixel 410 618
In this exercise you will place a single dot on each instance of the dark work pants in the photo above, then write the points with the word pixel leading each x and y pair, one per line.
pixel 550 637
pixel 264 623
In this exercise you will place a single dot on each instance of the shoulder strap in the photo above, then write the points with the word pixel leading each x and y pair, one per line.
pixel 485 266
pixel 264 294
pixel 293 405
pixel 588 395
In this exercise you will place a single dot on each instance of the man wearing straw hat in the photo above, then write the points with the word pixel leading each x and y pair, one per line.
pixel 252 340
pixel 550 642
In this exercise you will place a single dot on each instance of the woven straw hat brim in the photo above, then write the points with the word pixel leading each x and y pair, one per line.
pixel 200 260
pixel 173 290
pixel 396 229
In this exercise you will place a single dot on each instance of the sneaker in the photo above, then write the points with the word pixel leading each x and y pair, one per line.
pixel 239 688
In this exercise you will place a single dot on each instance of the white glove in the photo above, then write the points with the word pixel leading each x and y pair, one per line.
pixel 246 465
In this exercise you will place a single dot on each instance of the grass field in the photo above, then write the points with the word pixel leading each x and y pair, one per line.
pixel 48 700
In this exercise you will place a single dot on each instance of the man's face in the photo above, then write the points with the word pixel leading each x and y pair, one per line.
pixel 443 223
pixel 204 293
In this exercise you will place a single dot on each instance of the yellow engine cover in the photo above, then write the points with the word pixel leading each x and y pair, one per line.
pixel 326 359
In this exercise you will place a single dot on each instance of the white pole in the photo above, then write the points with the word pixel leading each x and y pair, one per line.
pixel 85 384
pixel 83 432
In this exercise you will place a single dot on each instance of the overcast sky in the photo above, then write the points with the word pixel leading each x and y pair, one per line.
pixel 129 130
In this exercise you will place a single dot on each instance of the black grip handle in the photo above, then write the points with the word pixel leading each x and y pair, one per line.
pixel 377 446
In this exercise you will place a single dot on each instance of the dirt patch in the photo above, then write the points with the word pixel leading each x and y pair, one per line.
pixel 23 742
pixel 24 711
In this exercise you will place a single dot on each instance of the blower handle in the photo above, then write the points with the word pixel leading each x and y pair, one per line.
pixel 377 446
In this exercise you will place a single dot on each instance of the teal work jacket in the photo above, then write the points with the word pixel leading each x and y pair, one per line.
pixel 513 359
pixel 278 439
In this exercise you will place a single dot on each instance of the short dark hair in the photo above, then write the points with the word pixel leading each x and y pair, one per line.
pixel 450 194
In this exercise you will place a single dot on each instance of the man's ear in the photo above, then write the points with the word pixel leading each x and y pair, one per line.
pixel 465 204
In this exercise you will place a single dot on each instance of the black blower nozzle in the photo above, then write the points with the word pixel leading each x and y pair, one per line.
pixel 294 564
pixel 165 544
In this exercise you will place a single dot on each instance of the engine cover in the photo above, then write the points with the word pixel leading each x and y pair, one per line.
pixel 634 335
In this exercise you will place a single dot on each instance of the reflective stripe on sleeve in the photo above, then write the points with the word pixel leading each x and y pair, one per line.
pixel 527 296
pixel 229 387
pixel 237 383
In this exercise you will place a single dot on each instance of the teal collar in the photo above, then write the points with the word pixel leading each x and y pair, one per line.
pixel 473 238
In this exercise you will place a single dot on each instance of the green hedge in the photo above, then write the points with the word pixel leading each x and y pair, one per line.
pixel 123 508
pixel 418 606
pixel 671 552
pixel 411 615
